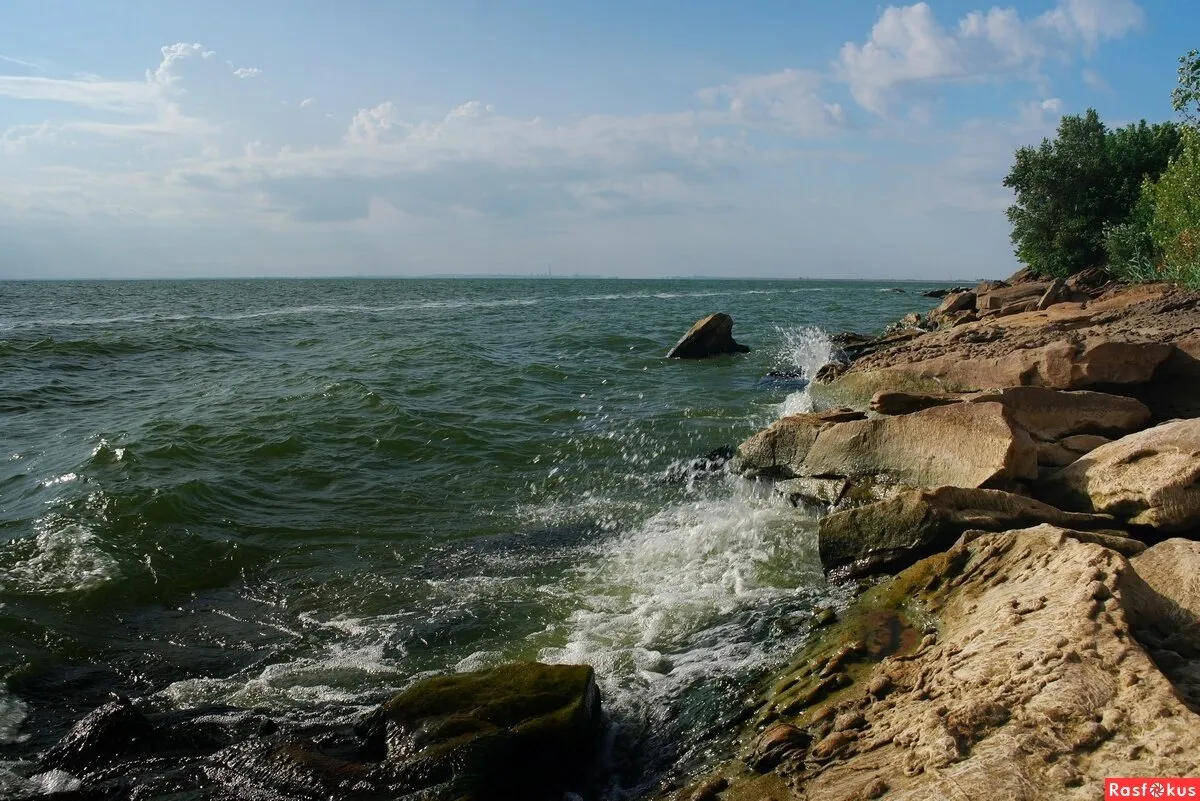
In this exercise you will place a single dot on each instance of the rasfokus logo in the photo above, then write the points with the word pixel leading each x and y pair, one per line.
pixel 1161 787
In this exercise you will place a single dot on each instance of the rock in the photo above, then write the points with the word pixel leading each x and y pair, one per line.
pixel 1089 280
pixel 895 402
pixel 522 730
pixel 777 742
pixel 1020 307
pixel 892 534
pixel 777 451
pixel 968 445
pixel 1057 292
pixel 710 336
pixel 1032 686
pixel 1149 478
pixel 1050 414
pixel 1136 337
pixel 958 302
pixel 1172 568
pixel 1083 443
pixel 998 298
pixel 819 493
pixel 1112 539
pixel 829 372
pixel 941 293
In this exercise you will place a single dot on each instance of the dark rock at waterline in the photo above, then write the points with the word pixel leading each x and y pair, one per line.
pixel 712 462
pixel 710 336
pixel 941 293
pixel 523 730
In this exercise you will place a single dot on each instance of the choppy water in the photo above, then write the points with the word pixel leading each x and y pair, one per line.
pixel 304 495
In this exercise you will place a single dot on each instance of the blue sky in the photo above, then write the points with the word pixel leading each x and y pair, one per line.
pixel 642 139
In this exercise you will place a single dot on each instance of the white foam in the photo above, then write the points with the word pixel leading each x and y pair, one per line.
pixel 652 607
pixel 12 716
pixel 806 350
pixel 63 557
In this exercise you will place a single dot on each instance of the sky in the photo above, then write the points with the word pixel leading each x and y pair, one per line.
pixel 801 139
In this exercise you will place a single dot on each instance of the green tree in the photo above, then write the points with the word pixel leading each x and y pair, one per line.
pixel 1069 190
pixel 1185 98
pixel 1175 226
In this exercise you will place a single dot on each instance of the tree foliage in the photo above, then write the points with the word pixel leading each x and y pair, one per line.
pixel 1185 97
pixel 1175 225
pixel 1069 190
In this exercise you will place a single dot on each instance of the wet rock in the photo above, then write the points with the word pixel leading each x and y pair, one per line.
pixel 892 534
pixel 523 730
pixel 941 293
pixel 710 336
pixel 1151 478
pixel 776 743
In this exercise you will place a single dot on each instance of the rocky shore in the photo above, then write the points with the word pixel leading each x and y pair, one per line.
pixel 1025 459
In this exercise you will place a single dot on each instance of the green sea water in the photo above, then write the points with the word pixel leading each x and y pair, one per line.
pixel 304 495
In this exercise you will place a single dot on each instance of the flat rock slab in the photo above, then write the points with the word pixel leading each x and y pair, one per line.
pixel 1151 478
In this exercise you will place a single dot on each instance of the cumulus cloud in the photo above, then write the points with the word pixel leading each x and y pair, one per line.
pixel 247 72
pixel 909 46
pixel 308 101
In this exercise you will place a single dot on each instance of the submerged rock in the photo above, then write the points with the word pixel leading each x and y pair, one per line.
pixel 1151 478
pixel 892 534
pixel 710 336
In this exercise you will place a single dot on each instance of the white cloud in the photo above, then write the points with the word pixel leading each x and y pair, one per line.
pixel 1054 104
pixel 172 56
pixel 247 72
pixel 308 101
pixel 908 46
pixel 124 97
pixel 789 99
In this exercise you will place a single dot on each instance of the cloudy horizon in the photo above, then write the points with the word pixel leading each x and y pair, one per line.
pixel 616 139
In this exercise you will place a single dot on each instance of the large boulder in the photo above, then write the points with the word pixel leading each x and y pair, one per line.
pixel 1000 297
pixel 710 336
pixel 1029 685
pixel 1151 478
pixel 963 445
pixel 1050 414
pixel 523 730
pixel 892 534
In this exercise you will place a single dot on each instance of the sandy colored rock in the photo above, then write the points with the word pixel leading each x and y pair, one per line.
pixel 1050 414
pixel 709 336
pixel 1112 539
pixel 1032 688
pixel 1151 478
pixel 896 402
pixel 778 450
pixel 964 445
pixel 1120 338
pixel 1005 296
pixel 895 533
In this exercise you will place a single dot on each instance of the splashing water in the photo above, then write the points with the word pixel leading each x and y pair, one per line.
pixel 804 350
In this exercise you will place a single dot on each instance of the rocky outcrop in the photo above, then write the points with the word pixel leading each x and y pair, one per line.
pixel 1120 338
pixel 892 534
pixel 1029 685
pixel 710 336
pixel 894 402
pixel 1151 478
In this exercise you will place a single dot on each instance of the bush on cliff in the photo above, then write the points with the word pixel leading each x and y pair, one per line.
pixel 1175 224
pixel 1069 190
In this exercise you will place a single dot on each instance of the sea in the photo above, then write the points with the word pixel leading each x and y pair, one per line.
pixel 305 495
